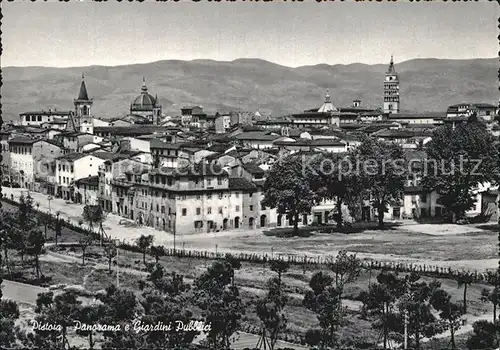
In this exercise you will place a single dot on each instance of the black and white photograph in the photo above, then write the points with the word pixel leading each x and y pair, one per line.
pixel 215 175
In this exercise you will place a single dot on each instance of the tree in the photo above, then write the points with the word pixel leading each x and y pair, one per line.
pixel 421 321
pixel 157 252
pixel 492 296
pixel 459 159
pixel 380 301
pixel 288 189
pixel 143 243
pixel 324 299
pixel 271 308
pixel 220 302
pixel 85 242
pixel 61 310
pixel 34 247
pixel 465 279
pixel 88 215
pixel 110 252
pixel 89 315
pixel 9 313
pixel 95 214
pixel 485 335
pixel 331 179
pixel 235 265
pixel 449 312
pixel 382 174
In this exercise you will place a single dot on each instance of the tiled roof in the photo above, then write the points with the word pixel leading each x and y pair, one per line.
pixel 91 180
pixel 156 143
pixel 24 140
pixel 73 156
pixel 256 136
pixel 237 183
pixel 47 113
pixel 430 115
pixel 253 168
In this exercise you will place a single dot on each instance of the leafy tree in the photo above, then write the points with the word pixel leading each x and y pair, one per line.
pixel 120 308
pixel 57 228
pixel 61 310
pixel 449 312
pixel 331 179
pixel 235 264
pixel 34 247
pixel 9 313
pixel 288 189
pixel 485 335
pixel 460 158
pixel 85 242
pixel 89 315
pixel 492 296
pixel 382 174
pixel 171 284
pixel 110 252
pixel 380 301
pixel 421 321
pixel 465 279
pixel 271 308
pixel 143 243
pixel 95 214
pixel 220 302
pixel 324 299
pixel 346 269
pixel 157 252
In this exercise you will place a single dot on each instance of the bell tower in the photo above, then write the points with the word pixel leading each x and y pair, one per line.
pixel 83 104
pixel 391 90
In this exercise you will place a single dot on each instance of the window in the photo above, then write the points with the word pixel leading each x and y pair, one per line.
pixel 198 211
pixel 169 211
pixel 163 209
pixel 251 208
pixel 423 197
pixel 64 167
pixel 220 210
pixel 59 179
pixel 237 208
pixel 157 208
pixel 184 211
pixel 209 196
pixel 209 210
pixel 219 181
pixel 209 182
pixel 250 195
pixel 221 195
pixel 59 167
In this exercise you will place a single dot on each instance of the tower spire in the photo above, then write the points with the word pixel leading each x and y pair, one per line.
pixel 83 91
pixel 391 69
pixel 144 88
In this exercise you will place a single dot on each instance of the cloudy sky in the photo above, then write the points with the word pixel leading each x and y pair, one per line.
pixel 293 34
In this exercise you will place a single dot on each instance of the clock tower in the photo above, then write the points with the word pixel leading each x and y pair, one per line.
pixel 391 90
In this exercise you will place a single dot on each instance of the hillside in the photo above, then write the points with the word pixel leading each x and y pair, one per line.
pixel 249 84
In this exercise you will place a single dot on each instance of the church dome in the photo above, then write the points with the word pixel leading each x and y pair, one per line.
pixel 145 101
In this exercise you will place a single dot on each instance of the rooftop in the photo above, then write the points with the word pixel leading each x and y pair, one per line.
pixel 237 183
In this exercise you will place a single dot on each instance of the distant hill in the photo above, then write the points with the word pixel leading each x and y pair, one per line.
pixel 249 84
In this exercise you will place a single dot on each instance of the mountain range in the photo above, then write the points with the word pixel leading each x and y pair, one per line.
pixel 426 85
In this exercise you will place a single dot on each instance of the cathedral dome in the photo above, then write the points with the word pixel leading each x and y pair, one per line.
pixel 145 101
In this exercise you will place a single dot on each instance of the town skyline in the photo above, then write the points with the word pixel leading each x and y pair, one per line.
pixel 87 34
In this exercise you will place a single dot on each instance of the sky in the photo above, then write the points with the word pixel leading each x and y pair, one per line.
pixel 84 33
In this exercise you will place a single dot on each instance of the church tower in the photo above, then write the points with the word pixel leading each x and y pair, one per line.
pixel 391 90
pixel 83 105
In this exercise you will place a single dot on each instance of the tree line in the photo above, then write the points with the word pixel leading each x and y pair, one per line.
pixel 457 160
